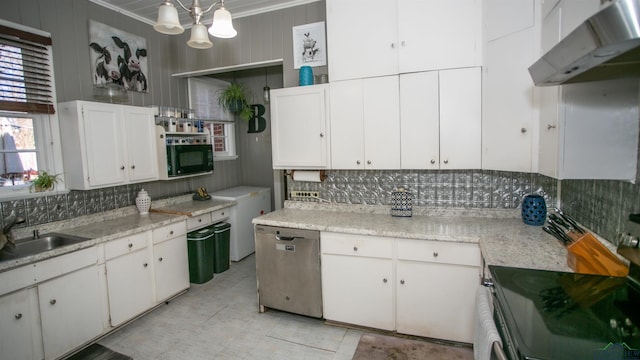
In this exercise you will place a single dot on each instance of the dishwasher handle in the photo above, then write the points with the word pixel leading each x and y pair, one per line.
pixel 287 238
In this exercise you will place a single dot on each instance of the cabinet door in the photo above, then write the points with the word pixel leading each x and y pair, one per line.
pixel 299 127
pixel 72 299
pixel 20 335
pixel 420 120
pixel 130 286
pixel 508 110
pixel 347 115
pixel 437 34
pixel 358 290
pixel 436 300
pixel 171 267
pixel 142 160
pixel 103 134
pixel 362 39
pixel 381 122
pixel 460 119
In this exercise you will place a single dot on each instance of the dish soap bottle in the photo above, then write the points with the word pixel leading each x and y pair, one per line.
pixel 143 202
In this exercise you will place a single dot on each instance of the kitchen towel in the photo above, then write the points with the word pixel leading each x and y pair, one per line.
pixel 485 333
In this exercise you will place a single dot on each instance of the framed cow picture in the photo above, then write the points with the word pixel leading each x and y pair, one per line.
pixel 118 57
pixel 309 45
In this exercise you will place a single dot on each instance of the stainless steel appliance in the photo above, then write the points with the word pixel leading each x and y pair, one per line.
pixel 557 315
pixel 181 155
pixel 288 270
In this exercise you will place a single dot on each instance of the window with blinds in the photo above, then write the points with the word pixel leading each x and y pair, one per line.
pixel 25 72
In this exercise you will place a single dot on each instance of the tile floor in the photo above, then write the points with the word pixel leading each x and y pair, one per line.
pixel 220 320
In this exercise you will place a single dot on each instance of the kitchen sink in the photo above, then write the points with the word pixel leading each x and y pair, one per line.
pixel 45 242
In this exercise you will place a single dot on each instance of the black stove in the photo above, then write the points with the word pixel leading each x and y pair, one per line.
pixel 556 315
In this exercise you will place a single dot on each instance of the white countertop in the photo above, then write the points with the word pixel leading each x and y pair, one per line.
pixel 103 227
pixel 503 237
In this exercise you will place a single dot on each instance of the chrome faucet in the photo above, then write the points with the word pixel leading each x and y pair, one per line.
pixel 36 233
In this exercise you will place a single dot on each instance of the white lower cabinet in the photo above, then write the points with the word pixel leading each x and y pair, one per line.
pixel 72 299
pixel 171 260
pixel 20 335
pixel 436 283
pixel 358 290
pixel 416 287
pixel 129 277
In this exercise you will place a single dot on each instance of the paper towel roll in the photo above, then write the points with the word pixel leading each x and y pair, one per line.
pixel 308 175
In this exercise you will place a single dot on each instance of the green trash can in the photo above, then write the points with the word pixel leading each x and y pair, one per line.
pixel 200 248
pixel 221 247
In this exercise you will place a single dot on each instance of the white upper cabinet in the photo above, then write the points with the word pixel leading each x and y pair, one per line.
pixel 365 124
pixel 107 144
pixel 441 119
pixel 392 37
pixel 299 127
pixel 509 111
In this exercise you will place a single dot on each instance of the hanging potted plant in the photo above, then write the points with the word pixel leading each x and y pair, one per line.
pixel 44 181
pixel 235 98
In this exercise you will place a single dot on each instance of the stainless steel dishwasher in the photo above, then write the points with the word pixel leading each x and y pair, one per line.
pixel 288 270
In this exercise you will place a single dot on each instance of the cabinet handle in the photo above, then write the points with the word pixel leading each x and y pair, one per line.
pixel 52 301
pixel 130 245
pixel 222 214
pixel 402 43
pixel 435 254
pixel 133 167
pixel 122 167
pixel 199 220
pixel 145 265
pixel 18 316
pixel 355 248
pixel 358 162
pixel 433 161
pixel 393 45
pixel 160 259
pixel 384 280
pixel 402 282
pixel 523 130
pixel 321 135
pixel 368 162
pixel 446 161
pixel 549 127
pixel 171 232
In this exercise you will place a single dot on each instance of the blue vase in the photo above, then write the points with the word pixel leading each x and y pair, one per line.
pixel 534 210
pixel 306 76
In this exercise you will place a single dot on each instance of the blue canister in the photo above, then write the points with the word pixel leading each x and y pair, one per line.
pixel 534 210
pixel 306 76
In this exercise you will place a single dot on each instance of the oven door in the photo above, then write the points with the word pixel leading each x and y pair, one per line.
pixel 185 160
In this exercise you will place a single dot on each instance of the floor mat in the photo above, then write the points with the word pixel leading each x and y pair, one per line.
pixel 381 347
pixel 98 352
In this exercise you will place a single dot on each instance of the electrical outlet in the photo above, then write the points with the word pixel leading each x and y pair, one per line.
pixel 305 194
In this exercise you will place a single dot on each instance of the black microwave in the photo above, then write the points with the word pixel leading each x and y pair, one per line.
pixel 189 159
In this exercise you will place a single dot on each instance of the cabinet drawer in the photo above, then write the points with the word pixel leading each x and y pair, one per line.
pixel 356 245
pixel 17 279
pixel 169 232
pixel 220 215
pixel 197 222
pixel 126 245
pixel 439 252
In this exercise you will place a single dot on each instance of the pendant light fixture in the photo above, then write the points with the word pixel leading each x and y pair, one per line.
pixel 266 91
pixel 222 26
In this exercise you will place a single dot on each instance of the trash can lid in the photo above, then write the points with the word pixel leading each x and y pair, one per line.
pixel 221 226
pixel 201 234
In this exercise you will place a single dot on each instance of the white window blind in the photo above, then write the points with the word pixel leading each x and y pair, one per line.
pixel 25 72
pixel 203 98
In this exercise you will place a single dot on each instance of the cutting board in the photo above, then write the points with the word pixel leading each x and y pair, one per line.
pixel 587 255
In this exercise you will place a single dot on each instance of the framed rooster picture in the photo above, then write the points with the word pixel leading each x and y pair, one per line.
pixel 309 45
pixel 117 58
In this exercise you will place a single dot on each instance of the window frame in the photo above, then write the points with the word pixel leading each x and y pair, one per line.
pixel 230 143
pixel 46 133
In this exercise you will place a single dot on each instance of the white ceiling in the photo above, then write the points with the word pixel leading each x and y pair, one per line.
pixel 147 10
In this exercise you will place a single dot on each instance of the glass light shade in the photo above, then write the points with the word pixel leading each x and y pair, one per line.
pixel 168 22
pixel 222 26
pixel 199 37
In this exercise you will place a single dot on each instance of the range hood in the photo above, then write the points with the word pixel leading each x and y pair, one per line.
pixel 606 46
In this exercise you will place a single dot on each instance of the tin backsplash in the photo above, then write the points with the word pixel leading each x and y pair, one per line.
pixel 443 188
